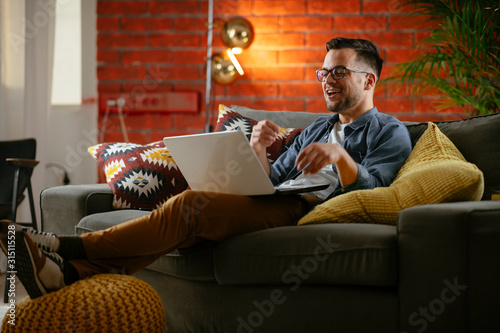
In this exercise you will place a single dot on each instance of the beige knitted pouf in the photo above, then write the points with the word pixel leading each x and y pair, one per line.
pixel 102 303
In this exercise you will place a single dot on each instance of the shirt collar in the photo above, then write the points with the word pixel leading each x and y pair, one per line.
pixel 360 122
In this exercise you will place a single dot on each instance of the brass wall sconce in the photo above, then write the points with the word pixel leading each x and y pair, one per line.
pixel 223 69
pixel 237 34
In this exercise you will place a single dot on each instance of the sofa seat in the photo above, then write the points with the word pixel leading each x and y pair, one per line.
pixel 360 254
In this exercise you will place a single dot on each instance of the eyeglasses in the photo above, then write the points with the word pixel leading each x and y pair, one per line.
pixel 338 73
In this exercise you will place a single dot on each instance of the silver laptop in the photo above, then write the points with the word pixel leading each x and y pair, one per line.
pixel 224 162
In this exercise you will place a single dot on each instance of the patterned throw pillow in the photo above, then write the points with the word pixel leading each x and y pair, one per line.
pixel 230 120
pixel 141 176
pixel 435 172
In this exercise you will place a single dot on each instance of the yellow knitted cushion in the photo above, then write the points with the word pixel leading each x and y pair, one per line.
pixel 102 303
pixel 435 172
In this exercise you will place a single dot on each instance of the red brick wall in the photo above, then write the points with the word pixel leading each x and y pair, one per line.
pixel 155 46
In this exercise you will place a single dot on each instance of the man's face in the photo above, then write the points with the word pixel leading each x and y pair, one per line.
pixel 342 95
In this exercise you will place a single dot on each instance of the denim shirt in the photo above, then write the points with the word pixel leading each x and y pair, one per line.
pixel 378 143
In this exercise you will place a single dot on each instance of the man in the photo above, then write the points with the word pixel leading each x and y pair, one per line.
pixel 356 148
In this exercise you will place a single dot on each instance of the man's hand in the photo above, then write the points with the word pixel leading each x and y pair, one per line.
pixel 263 135
pixel 318 155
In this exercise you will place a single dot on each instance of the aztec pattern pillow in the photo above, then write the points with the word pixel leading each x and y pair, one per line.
pixel 141 176
pixel 230 120
pixel 435 172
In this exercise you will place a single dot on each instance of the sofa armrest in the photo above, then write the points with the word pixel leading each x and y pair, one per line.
pixel 62 207
pixel 99 202
pixel 449 267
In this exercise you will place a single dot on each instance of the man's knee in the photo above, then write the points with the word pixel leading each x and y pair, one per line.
pixel 190 203
pixel 196 199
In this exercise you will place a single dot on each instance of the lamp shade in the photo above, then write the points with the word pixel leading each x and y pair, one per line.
pixel 223 70
pixel 237 32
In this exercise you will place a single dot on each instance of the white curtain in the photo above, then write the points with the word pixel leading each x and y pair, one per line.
pixel 26 56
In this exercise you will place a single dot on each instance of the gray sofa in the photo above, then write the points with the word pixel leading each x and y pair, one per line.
pixel 438 270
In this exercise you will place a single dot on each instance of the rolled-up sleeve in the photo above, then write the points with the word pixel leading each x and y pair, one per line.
pixel 387 148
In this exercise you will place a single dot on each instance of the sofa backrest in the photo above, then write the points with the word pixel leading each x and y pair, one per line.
pixel 477 138
pixel 286 119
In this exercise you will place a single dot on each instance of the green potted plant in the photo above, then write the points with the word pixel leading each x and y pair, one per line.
pixel 460 58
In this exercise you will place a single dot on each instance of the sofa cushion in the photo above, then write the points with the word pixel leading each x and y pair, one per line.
pixel 193 263
pixel 354 254
pixel 141 176
pixel 435 172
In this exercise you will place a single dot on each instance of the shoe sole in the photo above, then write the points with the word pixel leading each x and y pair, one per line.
pixel 26 270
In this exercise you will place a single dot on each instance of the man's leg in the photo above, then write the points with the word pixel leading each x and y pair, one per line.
pixel 128 247
pixel 183 221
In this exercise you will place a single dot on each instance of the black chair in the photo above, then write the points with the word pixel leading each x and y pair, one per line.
pixel 17 160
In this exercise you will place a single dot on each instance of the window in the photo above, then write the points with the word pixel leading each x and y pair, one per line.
pixel 67 68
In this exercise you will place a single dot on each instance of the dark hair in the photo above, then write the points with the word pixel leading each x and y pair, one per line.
pixel 367 52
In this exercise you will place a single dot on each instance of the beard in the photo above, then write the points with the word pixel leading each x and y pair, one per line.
pixel 345 103
pixel 341 106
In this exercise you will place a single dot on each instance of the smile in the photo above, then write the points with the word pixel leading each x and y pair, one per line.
pixel 332 92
